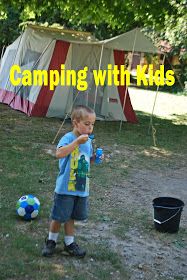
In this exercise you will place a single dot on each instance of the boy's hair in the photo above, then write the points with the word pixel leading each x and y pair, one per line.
pixel 80 111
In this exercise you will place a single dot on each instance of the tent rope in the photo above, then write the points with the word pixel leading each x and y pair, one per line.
pixel 151 126
pixel 154 135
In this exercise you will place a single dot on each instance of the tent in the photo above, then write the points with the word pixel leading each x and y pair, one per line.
pixel 47 48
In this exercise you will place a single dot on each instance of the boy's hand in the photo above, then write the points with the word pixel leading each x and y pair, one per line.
pixel 82 139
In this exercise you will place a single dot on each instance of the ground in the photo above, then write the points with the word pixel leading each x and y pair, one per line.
pixel 119 236
pixel 144 252
pixel 147 254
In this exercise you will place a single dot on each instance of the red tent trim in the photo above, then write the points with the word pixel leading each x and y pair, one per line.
pixel 16 102
pixel 45 95
pixel 128 110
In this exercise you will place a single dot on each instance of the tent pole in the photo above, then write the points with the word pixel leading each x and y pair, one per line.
pixel 60 129
pixel 2 52
pixel 74 102
pixel 151 117
pixel 125 97
pixel 98 70
pixel 64 119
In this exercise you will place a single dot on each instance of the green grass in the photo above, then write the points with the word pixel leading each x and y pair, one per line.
pixel 26 168
pixel 176 89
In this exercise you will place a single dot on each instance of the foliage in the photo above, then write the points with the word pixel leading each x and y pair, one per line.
pixel 101 14
pixel 9 24
pixel 160 19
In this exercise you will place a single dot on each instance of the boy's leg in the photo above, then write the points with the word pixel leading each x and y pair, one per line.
pixel 50 243
pixel 54 226
pixel 79 213
pixel 69 232
pixel 54 230
pixel 60 212
pixel 69 245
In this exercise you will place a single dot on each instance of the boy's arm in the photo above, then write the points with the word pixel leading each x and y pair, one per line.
pixel 66 150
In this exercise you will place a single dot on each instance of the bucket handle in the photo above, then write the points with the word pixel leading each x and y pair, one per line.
pixel 158 222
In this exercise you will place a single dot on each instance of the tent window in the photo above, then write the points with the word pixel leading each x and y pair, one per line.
pixel 27 64
pixel 88 98
pixel 30 56
pixel 135 60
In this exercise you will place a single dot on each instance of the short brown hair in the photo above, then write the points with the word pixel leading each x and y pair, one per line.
pixel 80 111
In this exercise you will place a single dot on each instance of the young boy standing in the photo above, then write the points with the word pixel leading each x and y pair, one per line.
pixel 74 151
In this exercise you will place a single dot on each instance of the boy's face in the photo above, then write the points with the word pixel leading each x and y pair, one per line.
pixel 86 125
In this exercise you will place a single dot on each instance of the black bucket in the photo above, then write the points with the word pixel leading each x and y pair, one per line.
pixel 167 213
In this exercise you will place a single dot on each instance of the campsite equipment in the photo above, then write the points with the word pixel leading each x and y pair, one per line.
pixel 98 155
pixel 167 213
pixel 48 49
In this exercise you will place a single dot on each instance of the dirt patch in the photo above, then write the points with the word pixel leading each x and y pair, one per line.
pixel 50 150
pixel 147 253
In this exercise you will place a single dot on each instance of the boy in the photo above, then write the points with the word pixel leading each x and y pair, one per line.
pixel 72 185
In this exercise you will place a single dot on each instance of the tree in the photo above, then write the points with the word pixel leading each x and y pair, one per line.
pixel 9 26
pixel 163 19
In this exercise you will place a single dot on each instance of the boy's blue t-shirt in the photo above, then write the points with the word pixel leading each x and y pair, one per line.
pixel 73 178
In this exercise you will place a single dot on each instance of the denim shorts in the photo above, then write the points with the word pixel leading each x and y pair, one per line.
pixel 67 207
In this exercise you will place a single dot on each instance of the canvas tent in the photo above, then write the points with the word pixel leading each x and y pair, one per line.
pixel 132 40
pixel 48 48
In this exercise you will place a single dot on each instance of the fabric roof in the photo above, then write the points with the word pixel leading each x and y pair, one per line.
pixel 133 40
pixel 63 34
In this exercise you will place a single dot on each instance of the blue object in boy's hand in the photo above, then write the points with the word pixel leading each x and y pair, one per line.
pixel 91 136
pixel 98 154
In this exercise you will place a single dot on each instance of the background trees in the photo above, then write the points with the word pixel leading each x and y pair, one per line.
pixel 104 18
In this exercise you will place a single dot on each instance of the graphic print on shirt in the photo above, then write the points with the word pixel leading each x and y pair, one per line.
pixel 79 169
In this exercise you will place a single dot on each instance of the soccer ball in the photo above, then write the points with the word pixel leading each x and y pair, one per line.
pixel 28 207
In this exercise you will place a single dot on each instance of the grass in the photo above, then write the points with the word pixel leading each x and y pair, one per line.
pixel 25 167
pixel 176 89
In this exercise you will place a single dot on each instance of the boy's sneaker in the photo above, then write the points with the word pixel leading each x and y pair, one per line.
pixel 74 250
pixel 49 248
